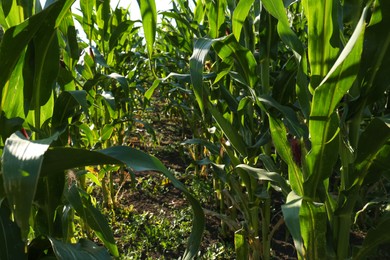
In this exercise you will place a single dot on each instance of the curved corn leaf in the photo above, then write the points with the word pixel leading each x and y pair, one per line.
pixel 291 217
pixel 239 15
pixel 230 51
pixel 201 49
pixel 21 165
pixel 84 249
pixel 372 153
pixel 290 118
pixel 323 126
pixel 234 137
pixel 265 175
pixel 87 22
pixel 57 159
pixel 283 148
pixel 11 14
pixel 323 37
pixel 313 224
pixel 80 201
pixel 216 16
pixel 149 22
pixel 276 9
pixel 16 39
pixel 66 105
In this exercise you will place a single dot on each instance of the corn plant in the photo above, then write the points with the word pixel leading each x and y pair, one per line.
pixel 45 104
pixel 299 89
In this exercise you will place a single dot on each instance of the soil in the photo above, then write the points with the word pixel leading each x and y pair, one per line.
pixel 166 147
pixel 173 158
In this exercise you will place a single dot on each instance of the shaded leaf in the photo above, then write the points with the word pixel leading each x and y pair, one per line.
pixel 84 249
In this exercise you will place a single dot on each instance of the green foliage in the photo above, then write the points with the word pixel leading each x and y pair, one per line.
pixel 286 100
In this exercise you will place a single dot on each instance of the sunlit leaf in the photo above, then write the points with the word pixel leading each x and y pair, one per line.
pixel 239 16
pixel 149 22
pixel 21 165
pixel 80 201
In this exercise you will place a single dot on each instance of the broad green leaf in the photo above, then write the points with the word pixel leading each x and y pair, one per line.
pixel 84 249
pixel 323 37
pixel 291 216
pixel 283 148
pixel 276 9
pixel 11 243
pixel 120 30
pixel 313 223
pixel 17 38
pixel 323 154
pixel 88 22
pixel 216 16
pixel 239 15
pixel 148 94
pixel 199 11
pixel 149 22
pixel 201 49
pixel 323 125
pixel 21 165
pixel 233 136
pixel 355 40
pixel 290 118
pixel 342 74
pixel 43 63
pixel 106 132
pixel 265 175
pixel 138 161
pixel 66 106
pixel 229 50
pixel 64 12
pixel 103 10
pixel 80 201
pixel 12 95
pixel 11 14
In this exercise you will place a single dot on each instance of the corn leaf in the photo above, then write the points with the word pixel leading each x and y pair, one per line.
pixel 87 9
pixel 80 201
pixel 17 38
pixel 216 16
pixel 201 49
pixel 261 174
pixel 291 216
pixel 323 125
pixel 149 22
pixel 276 9
pixel 21 165
pixel 372 156
pixel 283 148
pixel 239 15
pixel 84 249
pixel 313 221
pixel 229 50
pixel 233 136
pixel 66 106
pixel 57 159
